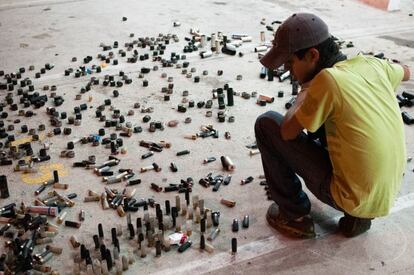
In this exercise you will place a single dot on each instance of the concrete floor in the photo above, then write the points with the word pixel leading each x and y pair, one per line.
pixel 35 32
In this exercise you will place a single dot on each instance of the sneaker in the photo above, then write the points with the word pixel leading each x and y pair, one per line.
pixel 352 226
pixel 299 228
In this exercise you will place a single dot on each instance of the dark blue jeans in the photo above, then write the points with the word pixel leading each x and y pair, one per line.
pixel 283 161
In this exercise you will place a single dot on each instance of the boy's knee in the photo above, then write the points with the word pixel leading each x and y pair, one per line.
pixel 270 118
pixel 268 124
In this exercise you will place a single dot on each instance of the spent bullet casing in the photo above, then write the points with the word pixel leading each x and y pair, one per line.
pixel 234 245
pixel 227 163
pixel 184 246
pixel 181 153
pixel 235 225
pixel 246 221
pixel 213 234
pixel 247 180
pixel 210 159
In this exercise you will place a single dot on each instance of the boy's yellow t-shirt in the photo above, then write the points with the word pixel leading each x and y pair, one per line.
pixel 355 100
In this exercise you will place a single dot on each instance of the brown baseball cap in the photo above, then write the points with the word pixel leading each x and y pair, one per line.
pixel 299 31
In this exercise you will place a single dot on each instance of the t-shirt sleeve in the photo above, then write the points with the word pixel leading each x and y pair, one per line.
pixel 395 73
pixel 318 103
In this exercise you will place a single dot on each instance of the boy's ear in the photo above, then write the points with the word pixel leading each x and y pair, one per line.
pixel 312 55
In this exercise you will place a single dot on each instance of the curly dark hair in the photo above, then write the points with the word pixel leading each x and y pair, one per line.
pixel 328 51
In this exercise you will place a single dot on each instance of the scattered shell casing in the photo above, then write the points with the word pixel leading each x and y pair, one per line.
pixel 227 163
pixel 82 215
pixel 74 241
pixel 54 249
pixel 213 234
pixel 63 186
pixel 61 217
pixel 228 203
pixel 91 198
pixel 121 211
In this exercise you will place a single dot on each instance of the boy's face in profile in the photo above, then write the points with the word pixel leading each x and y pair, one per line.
pixel 303 70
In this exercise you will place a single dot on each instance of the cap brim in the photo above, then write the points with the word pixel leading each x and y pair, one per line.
pixel 274 58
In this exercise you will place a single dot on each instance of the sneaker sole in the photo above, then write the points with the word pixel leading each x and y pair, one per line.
pixel 289 231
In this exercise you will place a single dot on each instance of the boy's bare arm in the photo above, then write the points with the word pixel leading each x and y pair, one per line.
pixel 291 127
pixel 406 73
